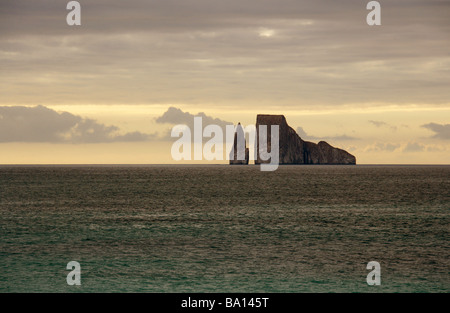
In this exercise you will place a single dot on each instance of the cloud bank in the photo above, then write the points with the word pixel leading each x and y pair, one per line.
pixel 239 52
pixel 440 131
pixel 175 116
pixel 41 124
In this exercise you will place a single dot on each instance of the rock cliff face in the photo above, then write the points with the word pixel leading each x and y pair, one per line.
pixel 294 150
pixel 239 153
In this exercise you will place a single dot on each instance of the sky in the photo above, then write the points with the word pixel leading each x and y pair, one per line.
pixel 110 90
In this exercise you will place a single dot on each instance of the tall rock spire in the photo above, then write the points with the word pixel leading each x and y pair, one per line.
pixel 239 154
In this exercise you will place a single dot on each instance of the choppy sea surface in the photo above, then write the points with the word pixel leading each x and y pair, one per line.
pixel 219 228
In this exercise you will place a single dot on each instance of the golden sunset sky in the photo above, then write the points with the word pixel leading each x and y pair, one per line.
pixel 110 90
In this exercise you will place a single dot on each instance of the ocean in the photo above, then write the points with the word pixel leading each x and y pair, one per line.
pixel 220 228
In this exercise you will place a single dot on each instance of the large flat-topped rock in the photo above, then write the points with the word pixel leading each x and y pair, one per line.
pixel 294 150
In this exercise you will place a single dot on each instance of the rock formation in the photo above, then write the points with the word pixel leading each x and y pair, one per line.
pixel 239 153
pixel 294 150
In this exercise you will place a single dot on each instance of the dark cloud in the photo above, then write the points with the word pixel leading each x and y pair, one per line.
pixel 41 124
pixel 210 51
pixel 441 131
pixel 176 15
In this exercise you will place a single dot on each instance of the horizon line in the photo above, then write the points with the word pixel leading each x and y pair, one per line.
pixel 214 164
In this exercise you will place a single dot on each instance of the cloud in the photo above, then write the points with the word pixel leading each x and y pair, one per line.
pixel 265 32
pixel 41 124
pixel 176 116
pixel 211 51
pixel 441 131
pixel 378 123
pixel 342 137
pixel 434 148
pixel 407 148
pixel 382 146
pixel 413 147
pixel 382 124
pixel 302 133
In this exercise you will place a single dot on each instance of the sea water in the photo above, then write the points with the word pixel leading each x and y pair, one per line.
pixel 220 228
